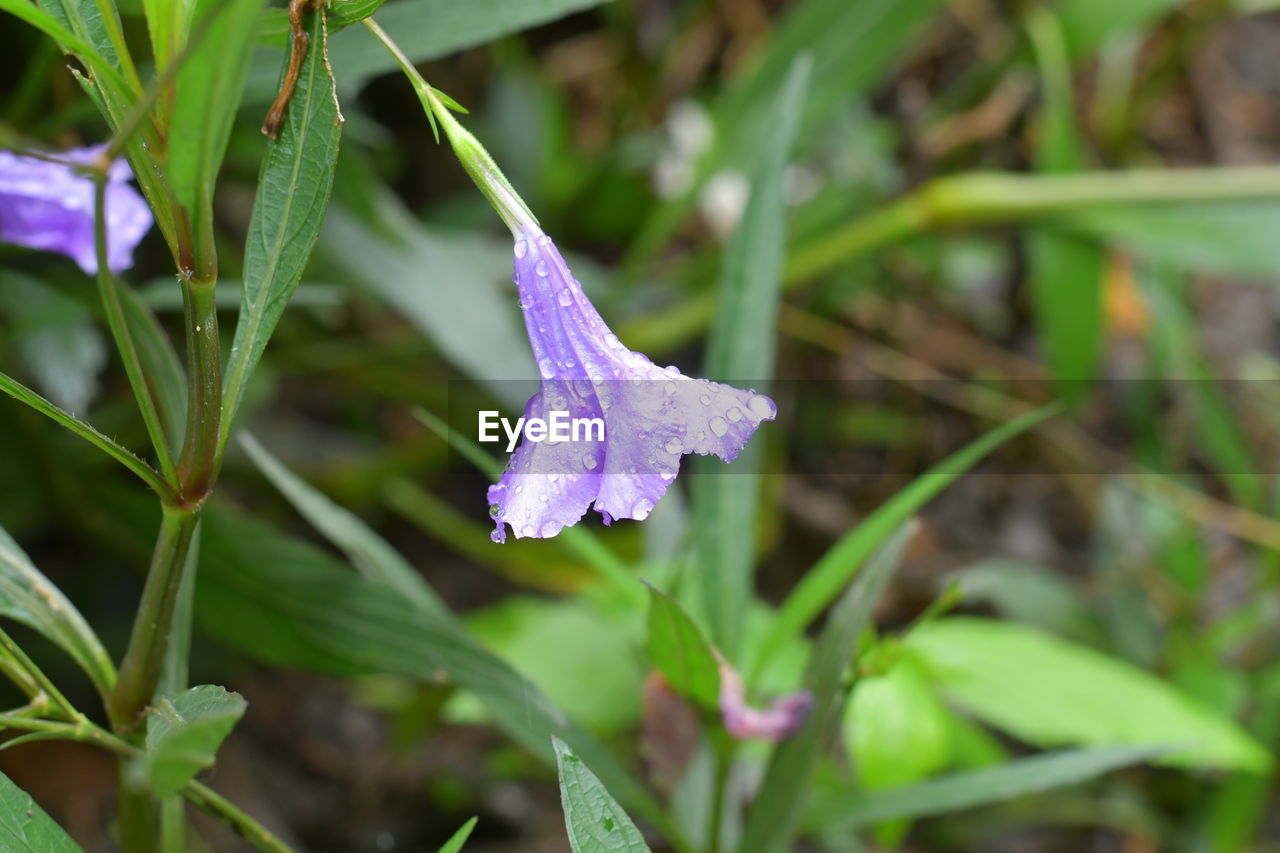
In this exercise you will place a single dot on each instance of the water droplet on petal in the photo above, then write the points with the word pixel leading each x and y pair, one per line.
pixel 565 299
pixel 551 478
pixel 551 528
pixel 701 435
pixel 671 370
pixel 762 407
pixel 543 498
pixel 522 248
pixel 705 399
pixel 673 445
pixel 734 414
pixel 528 530
pixel 670 387
pixel 666 475
pixel 519 489
pixel 718 425
pixel 547 368
pixel 589 462
pixel 494 509
pixel 642 508
pixel 540 267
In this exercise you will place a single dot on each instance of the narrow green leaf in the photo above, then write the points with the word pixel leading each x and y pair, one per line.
pixel 124 456
pixel 823 582
pixel 160 364
pixel 366 550
pixel 293 192
pixel 742 348
pixel 969 789
pixel 167 25
pixel 27 596
pixel 459 838
pixel 24 826
pixel 274 28
pixel 1066 269
pixel 775 815
pixel 183 734
pixel 680 652
pixel 1049 692
pixel 207 93
pixel 291 604
pixel 594 821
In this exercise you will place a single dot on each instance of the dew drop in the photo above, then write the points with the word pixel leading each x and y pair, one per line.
pixel 668 476
pixel 705 399
pixel 522 248
pixel 494 509
pixel 519 489
pixel 762 408
pixel 540 267
pixel 565 299
pixel 543 498
pixel 718 425
pixel 734 414
pixel 701 435
pixel 671 370
pixel 589 462
pixel 551 528
pixel 528 530
pixel 547 368
pixel 642 508
pixel 670 387
pixel 673 445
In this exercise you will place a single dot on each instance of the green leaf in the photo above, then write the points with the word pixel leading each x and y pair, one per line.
pixel 454 288
pixel 124 456
pixel 741 348
pixel 207 93
pixel 459 838
pixel 160 364
pixel 1049 692
pixel 1087 24
pixel 680 652
pixel 895 729
pixel 775 814
pixel 274 28
pixel 1066 269
pixel 1216 237
pixel 366 550
pixel 291 604
pixel 183 734
pixel 1023 592
pixel 561 645
pixel 24 826
pixel 293 193
pixel 27 596
pixel 823 582
pixel 969 789
pixel 594 821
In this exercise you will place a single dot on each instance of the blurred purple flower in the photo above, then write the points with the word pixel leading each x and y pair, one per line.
pixel 46 204
pixel 651 415
pixel 780 720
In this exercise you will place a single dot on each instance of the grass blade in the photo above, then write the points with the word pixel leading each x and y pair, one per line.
pixel 742 348
pixel 775 815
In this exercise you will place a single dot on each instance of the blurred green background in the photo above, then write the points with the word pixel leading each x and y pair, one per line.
pixel 1141 525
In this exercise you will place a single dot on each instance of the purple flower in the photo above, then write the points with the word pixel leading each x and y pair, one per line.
pixel 47 204
pixel 780 720
pixel 650 415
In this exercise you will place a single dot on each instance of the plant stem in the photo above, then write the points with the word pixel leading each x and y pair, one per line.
pixel 140 670
pixel 198 464
pixel 226 811
pixel 722 746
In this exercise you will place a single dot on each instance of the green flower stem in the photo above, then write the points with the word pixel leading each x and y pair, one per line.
pixel 973 200
pixel 198 464
pixel 144 659
pixel 108 290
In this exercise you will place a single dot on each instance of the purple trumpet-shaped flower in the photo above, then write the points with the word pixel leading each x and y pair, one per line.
pixel 650 416
pixel 47 204
pixel 780 720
